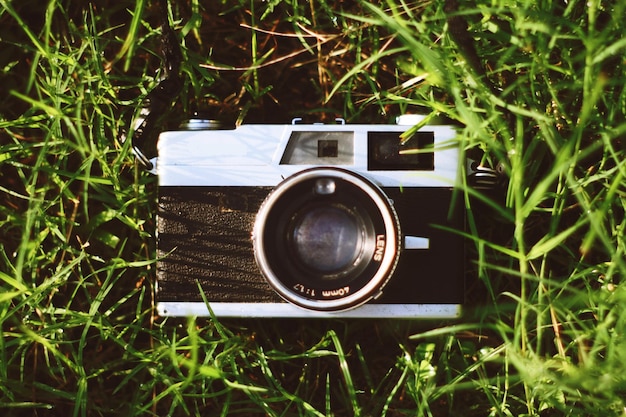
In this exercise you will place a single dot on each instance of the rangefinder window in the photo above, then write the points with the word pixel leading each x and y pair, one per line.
pixel 327 148
pixel 388 152
pixel 319 148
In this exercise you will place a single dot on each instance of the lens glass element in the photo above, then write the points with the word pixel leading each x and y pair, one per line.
pixel 328 239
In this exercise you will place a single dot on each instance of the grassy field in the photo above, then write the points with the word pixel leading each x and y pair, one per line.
pixel 537 86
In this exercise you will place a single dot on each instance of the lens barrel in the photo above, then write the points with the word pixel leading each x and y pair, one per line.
pixel 327 239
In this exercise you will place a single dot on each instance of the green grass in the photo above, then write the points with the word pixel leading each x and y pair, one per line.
pixel 538 86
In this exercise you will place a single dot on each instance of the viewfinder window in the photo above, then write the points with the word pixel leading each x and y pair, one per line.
pixel 319 148
pixel 387 152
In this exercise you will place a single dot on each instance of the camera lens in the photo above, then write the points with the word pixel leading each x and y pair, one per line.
pixel 328 239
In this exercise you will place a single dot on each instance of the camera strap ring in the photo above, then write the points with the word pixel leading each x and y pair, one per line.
pixel 160 99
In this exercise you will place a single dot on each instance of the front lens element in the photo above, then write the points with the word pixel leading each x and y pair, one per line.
pixel 327 239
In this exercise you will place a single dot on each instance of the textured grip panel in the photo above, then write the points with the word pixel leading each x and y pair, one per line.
pixel 204 237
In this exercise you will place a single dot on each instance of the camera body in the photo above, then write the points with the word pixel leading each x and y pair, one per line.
pixel 310 220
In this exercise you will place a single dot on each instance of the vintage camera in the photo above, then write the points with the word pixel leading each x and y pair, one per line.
pixel 310 220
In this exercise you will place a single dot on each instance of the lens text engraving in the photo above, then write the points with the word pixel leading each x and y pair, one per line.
pixel 304 290
pixel 380 248
pixel 339 292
